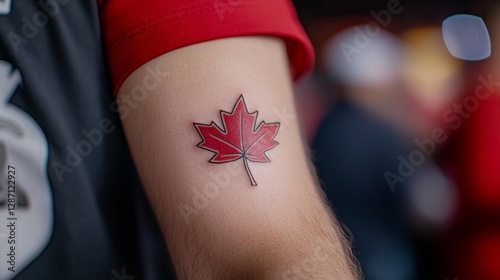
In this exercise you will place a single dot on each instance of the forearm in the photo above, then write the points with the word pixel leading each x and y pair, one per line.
pixel 318 251
pixel 216 223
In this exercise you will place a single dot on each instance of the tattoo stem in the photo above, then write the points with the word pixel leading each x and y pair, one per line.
pixel 252 180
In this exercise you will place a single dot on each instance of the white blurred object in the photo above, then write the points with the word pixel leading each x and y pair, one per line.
pixel 363 55
pixel 467 37
pixel 432 196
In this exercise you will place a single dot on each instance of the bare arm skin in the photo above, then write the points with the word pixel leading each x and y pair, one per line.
pixel 215 223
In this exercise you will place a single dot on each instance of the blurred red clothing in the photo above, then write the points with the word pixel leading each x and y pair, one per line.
pixel 472 159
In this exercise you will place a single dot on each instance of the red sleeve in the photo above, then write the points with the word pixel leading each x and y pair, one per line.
pixel 135 32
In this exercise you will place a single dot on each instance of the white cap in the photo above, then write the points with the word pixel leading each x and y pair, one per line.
pixel 363 55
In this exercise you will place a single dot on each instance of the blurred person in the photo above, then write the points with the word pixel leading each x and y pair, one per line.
pixel 367 66
pixel 358 141
pixel 76 142
pixel 433 80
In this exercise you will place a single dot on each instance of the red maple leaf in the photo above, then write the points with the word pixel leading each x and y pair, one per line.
pixel 239 137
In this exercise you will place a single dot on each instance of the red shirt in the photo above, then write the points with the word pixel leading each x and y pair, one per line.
pixel 137 31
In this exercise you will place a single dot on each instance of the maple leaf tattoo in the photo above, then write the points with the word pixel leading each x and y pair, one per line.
pixel 239 137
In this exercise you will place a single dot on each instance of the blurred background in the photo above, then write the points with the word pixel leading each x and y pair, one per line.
pixel 406 137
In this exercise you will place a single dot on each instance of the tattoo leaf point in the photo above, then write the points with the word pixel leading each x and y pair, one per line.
pixel 239 137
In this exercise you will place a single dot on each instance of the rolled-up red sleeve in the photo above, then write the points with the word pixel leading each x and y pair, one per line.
pixel 135 32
